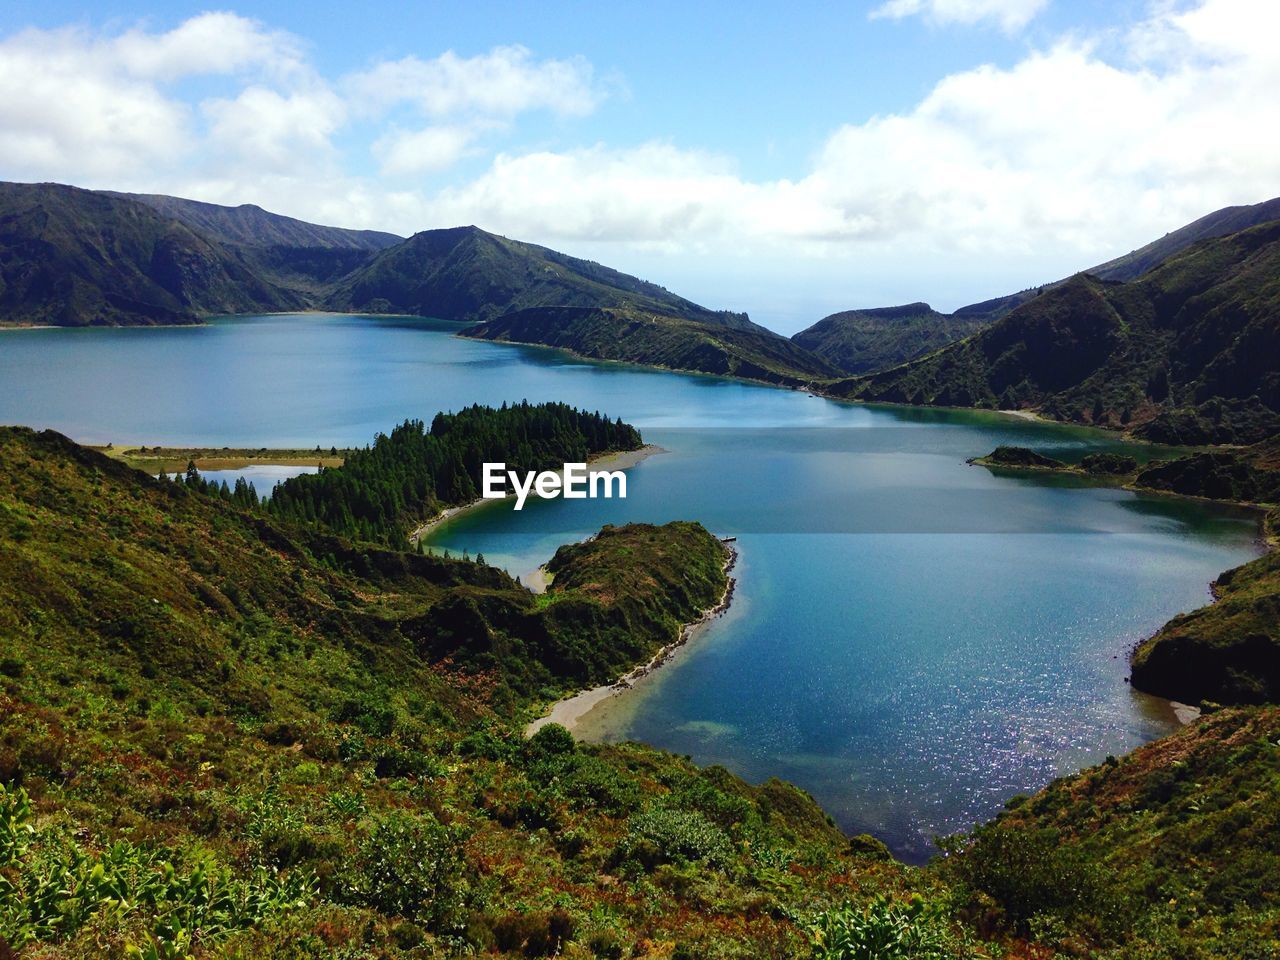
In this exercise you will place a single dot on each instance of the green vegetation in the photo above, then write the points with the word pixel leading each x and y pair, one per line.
pixel 227 735
pixel 71 257
pixel 1227 652
pixel 864 341
pixel 1019 457
pixel 660 339
pixel 1186 354
pixel 382 492
pixel 1167 853
pixel 464 273
pixel 300 257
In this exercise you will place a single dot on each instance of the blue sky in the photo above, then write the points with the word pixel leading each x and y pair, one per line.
pixel 788 162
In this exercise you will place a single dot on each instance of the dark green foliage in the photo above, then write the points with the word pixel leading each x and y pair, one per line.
pixel 382 492
pixel 1246 476
pixel 1227 652
pixel 864 341
pixel 1033 875
pixel 1108 463
pixel 1020 457
pixel 660 835
pixel 661 338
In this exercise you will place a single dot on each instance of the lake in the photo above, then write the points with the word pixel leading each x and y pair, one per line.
pixel 914 640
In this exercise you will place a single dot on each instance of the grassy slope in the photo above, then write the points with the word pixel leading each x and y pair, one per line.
pixel 464 273
pixel 72 257
pixel 203 685
pixel 1185 354
pixel 1169 852
pixel 659 339
pixel 864 341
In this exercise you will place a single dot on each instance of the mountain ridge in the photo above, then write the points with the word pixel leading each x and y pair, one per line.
pixel 1189 353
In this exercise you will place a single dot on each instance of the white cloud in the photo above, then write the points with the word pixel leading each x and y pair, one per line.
pixel 1076 152
pixel 427 150
pixel 270 129
pixel 1011 15
pixel 1064 150
pixel 501 83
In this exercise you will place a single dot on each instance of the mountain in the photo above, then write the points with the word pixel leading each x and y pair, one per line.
pixel 863 341
pixel 1188 353
pixel 1134 264
pixel 870 340
pixel 637 335
pixel 71 257
pixel 293 253
pixel 465 273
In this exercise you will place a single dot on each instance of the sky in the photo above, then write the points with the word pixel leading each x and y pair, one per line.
pixel 786 160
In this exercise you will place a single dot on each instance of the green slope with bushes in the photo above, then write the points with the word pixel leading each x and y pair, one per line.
pixel 660 339
pixel 864 341
pixel 1169 852
pixel 228 735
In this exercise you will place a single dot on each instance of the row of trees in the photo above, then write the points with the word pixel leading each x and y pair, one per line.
pixel 383 491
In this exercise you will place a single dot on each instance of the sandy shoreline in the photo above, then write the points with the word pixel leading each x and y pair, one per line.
pixel 622 460
pixel 569 711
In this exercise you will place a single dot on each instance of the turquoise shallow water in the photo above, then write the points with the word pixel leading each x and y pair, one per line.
pixel 913 640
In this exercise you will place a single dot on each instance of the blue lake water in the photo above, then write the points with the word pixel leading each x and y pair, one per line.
pixel 913 639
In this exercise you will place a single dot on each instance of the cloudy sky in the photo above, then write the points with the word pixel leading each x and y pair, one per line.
pixel 789 163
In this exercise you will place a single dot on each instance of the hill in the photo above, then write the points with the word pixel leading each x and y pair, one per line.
pixel 1168 852
pixel 465 273
pixel 301 256
pixel 870 340
pixel 1134 264
pixel 1189 353
pixel 863 341
pixel 230 735
pixel 636 335
pixel 71 257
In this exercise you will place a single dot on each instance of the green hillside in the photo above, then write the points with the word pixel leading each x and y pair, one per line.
pixel 863 341
pixel 1189 353
pixel 228 736
pixel 1169 852
pixel 658 339
pixel 303 257
pixel 464 273
pixel 1134 264
pixel 71 257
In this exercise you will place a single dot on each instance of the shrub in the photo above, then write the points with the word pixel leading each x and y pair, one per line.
pixel 1030 872
pixel 551 740
pixel 660 836
pixel 884 930
pixel 411 867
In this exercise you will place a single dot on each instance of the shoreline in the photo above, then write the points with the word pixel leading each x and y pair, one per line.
pixel 569 711
pixel 616 460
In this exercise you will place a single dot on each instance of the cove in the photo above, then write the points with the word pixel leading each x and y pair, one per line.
pixel 913 640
